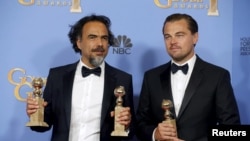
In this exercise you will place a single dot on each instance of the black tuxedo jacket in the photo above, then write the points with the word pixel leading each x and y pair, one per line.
pixel 208 100
pixel 58 94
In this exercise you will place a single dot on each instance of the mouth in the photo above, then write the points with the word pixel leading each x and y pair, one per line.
pixel 99 49
pixel 174 48
pixel 99 53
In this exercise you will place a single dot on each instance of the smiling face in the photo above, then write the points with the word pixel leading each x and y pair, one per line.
pixel 179 40
pixel 94 43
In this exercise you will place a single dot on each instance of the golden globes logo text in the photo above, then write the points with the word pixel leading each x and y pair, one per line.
pixel 75 5
pixel 19 79
pixel 190 4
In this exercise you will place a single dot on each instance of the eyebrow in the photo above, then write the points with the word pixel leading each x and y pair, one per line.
pixel 180 32
pixel 97 35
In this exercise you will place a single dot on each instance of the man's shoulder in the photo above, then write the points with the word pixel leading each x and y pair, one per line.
pixel 64 67
pixel 116 70
pixel 211 67
pixel 158 68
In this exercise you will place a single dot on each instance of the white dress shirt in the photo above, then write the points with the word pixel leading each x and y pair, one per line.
pixel 86 105
pixel 179 83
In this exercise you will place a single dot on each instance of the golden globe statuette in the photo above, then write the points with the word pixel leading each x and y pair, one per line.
pixel 119 129
pixel 37 118
pixel 166 106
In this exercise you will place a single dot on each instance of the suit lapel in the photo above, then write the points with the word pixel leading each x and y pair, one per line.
pixel 194 81
pixel 166 86
pixel 109 84
pixel 68 80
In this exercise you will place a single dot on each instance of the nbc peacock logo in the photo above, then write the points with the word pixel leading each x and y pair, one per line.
pixel 122 45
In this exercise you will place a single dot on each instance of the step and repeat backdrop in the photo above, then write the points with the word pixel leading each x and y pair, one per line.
pixel 33 38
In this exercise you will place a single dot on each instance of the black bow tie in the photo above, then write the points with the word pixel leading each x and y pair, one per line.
pixel 95 71
pixel 175 68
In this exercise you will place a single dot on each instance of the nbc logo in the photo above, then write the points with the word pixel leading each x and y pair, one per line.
pixel 122 45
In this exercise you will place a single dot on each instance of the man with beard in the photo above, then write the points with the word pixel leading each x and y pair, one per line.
pixel 79 97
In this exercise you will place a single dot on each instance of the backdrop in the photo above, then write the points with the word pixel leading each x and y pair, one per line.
pixel 33 38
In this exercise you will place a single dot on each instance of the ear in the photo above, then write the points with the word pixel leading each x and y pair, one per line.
pixel 78 42
pixel 195 37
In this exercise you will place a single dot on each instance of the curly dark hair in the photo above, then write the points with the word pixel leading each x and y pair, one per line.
pixel 76 30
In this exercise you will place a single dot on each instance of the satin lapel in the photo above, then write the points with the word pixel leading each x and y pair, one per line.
pixel 193 84
pixel 166 86
pixel 109 85
pixel 68 80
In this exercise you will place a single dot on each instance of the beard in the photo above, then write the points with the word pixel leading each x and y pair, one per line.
pixel 96 61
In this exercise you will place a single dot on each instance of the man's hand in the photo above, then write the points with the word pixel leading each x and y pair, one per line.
pixel 166 132
pixel 32 105
pixel 124 117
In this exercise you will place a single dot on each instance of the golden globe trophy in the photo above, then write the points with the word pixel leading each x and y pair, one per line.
pixel 119 129
pixel 166 106
pixel 37 118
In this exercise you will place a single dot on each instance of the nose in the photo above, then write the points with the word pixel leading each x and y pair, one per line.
pixel 173 40
pixel 99 41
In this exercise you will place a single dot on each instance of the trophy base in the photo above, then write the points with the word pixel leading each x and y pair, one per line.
pixel 37 123
pixel 119 133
